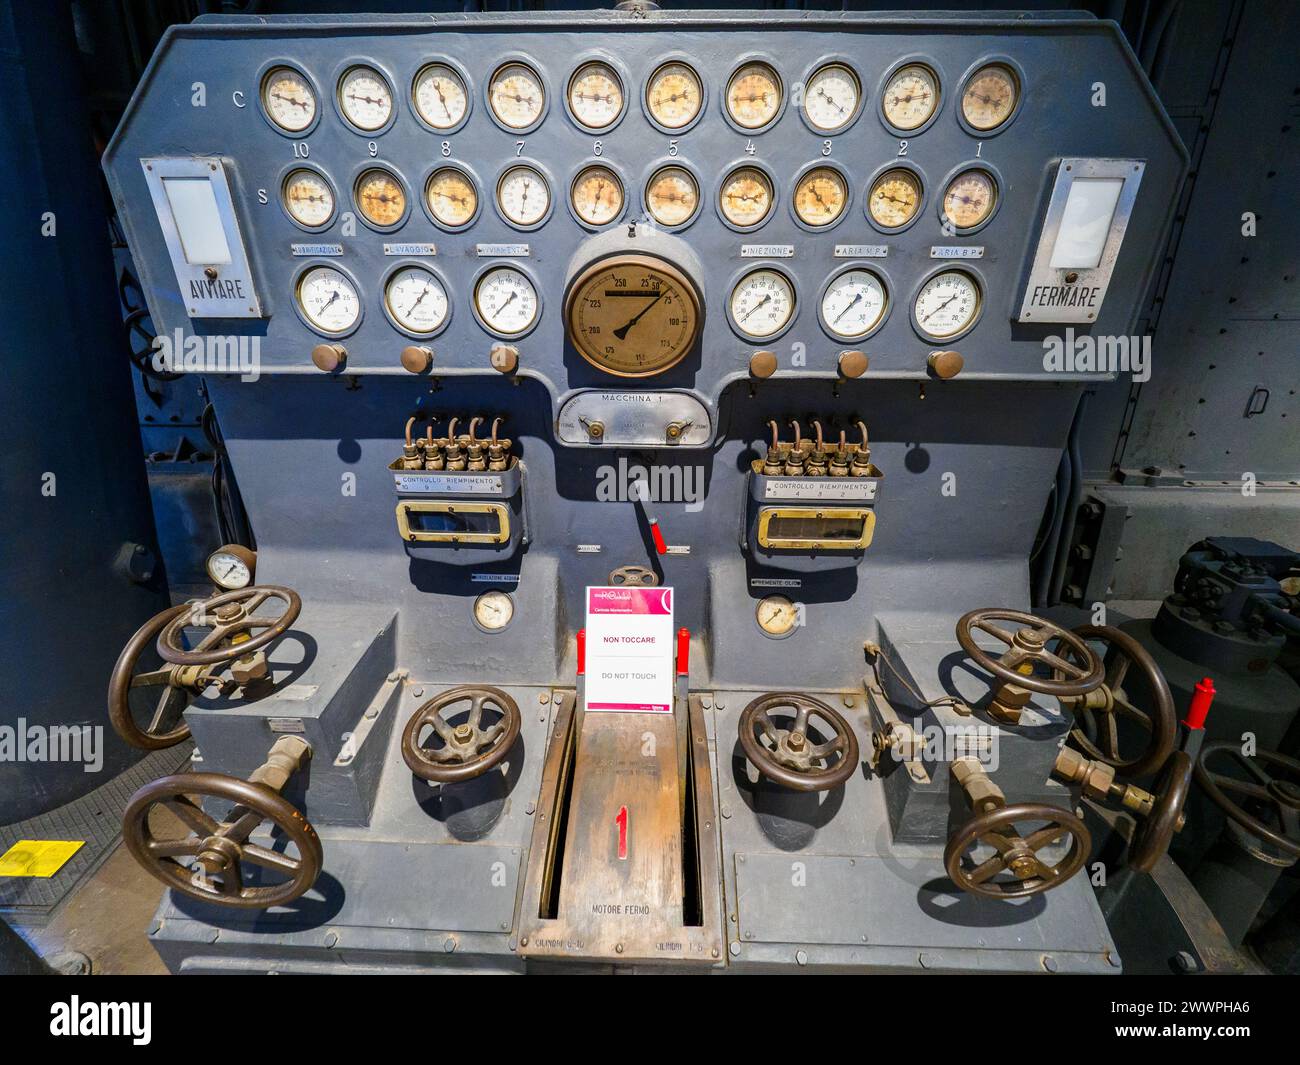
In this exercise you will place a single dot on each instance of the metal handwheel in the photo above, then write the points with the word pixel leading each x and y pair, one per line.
pixel 465 750
pixel 1028 644
pixel 787 755
pixel 175 685
pixel 230 622
pixel 1017 854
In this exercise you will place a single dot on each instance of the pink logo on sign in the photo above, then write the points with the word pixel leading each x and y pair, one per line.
pixel 629 601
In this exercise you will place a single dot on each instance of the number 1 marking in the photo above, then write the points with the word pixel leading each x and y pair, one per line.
pixel 621 821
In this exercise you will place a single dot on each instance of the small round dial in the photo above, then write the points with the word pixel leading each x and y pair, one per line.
pixel 762 303
pixel 753 95
pixel 416 300
pixel 596 95
pixel 990 97
pixel 911 97
pixel 439 96
pixel 970 198
pixel 831 98
pixel 634 315
pixel 380 198
pixel 493 611
pixel 231 568
pixel 308 198
pixel 820 196
pixel 451 196
pixel 506 301
pixel 517 95
pixel 288 100
pixel 853 304
pixel 746 196
pixel 672 196
pixel 947 304
pixel 523 196
pixel 673 95
pixel 597 195
pixel 365 99
pixel 328 300
pixel 777 616
pixel 894 198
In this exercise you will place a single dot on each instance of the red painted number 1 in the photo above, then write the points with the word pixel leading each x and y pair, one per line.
pixel 621 821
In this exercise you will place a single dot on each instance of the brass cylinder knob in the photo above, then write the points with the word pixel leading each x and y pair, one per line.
pixel 416 358
pixel 329 357
pixel 853 364
pixel 762 364
pixel 504 358
pixel 945 365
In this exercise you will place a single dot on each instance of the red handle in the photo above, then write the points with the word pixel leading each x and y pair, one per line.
pixel 660 546
pixel 683 652
pixel 1202 697
pixel 582 651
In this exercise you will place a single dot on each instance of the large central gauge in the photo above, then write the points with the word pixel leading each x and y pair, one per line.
pixel 633 315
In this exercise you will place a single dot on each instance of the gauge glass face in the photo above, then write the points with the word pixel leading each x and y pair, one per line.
pixel 894 198
pixel 854 304
pixel 381 198
pixel 746 196
pixel 969 198
pixel 439 96
pixel 494 610
pixel 329 300
pixel 597 196
pixel 517 95
pixel 288 100
pixel 365 99
pixel 451 197
pixel 947 304
pixel 523 196
pixel 506 301
pixel 596 95
pixel 228 570
pixel 672 196
pixel 990 97
pixel 831 98
pixel 416 300
pixel 820 196
pixel 753 95
pixel 633 316
pixel 777 616
pixel 910 97
pixel 308 199
pixel 762 303
pixel 673 95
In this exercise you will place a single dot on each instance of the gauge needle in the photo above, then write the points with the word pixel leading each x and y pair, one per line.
pixel 621 332
pixel 761 303
pixel 852 303
pixel 939 308
pixel 502 307
pixel 423 292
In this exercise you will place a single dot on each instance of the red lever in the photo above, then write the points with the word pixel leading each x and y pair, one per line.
pixel 582 651
pixel 1202 697
pixel 683 652
pixel 660 546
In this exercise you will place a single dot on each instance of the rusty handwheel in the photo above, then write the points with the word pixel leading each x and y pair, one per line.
pixel 787 755
pixel 175 687
pixel 230 622
pixel 1096 732
pixel 462 750
pixel 1028 644
pixel 1154 832
pixel 219 850
pixel 1274 814
pixel 1016 854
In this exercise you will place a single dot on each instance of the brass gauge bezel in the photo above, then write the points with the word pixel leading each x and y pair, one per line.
pixel 976 278
pixel 770 67
pixel 690 64
pixel 958 172
pixel 932 68
pixel 596 60
pixel 587 166
pixel 805 174
pixel 307 168
pixel 365 171
pixel 878 176
pixel 820 66
pixel 264 78
pixel 535 70
pixel 773 193
pixel 369 66
pixel 513 267
pixel 547 183
pixel 390 275
pixel 471 179
pixel 493 594
pixel 743 275
pixel 465 84
pixel 337 267
pixel 242 554
pixel 658 169
pixel 775 600
pixel 1009 66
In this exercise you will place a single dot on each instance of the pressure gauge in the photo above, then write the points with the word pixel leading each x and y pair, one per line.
pixel 990 97
pixel 517 95
pixel 820 196
pixel 597 195
pixel 232 566
pixel 746 197
pixel 416 300
pixel 753 95
pixel 439 96
pixel 894 198
pixel 947 304
pixel 506 301
pixel 493 611
pixel 288 100
pixel 328 300
pixel 910 97
pixel 308 198
pixel 365 99
pixel 777 617
pixel 523 196
pixel 673 95
pixel 596 96
pixel 762 304
pixel 672 196
pixel 853 304
pixel 830 98
pixel 970 198
pixel 381 198
pixel 451 197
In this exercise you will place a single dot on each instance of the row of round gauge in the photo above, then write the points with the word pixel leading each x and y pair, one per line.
pixel 853 304
pixel 831 97
pixel 746 197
